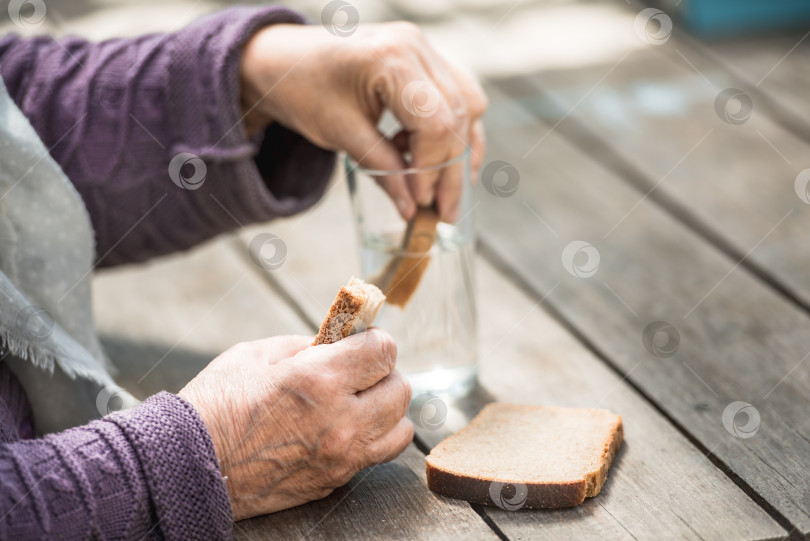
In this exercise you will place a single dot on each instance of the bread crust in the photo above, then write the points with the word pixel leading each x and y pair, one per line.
pixel 551 495
pixel 353 310
pixel 596 480
pixel 476 490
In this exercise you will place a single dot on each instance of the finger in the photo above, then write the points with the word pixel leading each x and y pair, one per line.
pixel 384 404
pixel 391 445
pixel 451 182
pixel 448 191
pixel 470 89
pixel 430 145
pixel 425 114
pixel 396 186
pixel 451 179
pixel 277 348
pixel 357 362
pixel 478 148
pixel 372 150
pixel 476 103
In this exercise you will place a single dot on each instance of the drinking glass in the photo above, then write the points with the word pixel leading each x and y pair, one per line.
pixel 435 331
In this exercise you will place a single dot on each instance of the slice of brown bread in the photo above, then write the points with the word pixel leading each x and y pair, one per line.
pixel 354 309
pixel 517 456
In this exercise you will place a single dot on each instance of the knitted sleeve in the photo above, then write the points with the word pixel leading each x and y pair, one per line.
pixel 149 131
pixel 146 473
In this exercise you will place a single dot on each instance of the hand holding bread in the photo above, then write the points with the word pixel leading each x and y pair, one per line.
pixel 290 423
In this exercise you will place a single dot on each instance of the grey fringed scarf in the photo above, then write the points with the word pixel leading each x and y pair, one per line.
pixel 47 336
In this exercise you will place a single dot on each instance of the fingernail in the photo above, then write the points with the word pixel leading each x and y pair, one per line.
pixel 426 201
pixel 403 206
pixel 451 216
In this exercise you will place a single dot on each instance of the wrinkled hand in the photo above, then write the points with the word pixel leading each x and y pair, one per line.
pixel 290 423
pixel 333 90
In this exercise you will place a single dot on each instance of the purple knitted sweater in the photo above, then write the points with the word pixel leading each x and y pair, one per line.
pixel 113 115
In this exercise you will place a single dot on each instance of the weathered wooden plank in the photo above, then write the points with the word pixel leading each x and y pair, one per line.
pixel 773 67
pixel 162 322
pixel 735 182
pixel 319 243
pixel 389 501
pixel 659 478
pixel 738 340
pixel 169 318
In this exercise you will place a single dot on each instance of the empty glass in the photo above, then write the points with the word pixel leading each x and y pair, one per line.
pixel 435 331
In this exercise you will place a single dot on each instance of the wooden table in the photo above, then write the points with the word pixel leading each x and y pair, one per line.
pixel 696 223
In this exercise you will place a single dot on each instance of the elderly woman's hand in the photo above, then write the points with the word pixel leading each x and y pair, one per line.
pixel 290 423
pixel 333 90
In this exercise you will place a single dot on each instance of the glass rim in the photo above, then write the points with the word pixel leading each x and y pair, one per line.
pixel 354 166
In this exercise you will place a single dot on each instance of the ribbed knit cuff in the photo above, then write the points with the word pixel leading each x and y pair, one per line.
pixel 174 448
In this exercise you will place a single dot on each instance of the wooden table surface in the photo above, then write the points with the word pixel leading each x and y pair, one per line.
pixel 698 227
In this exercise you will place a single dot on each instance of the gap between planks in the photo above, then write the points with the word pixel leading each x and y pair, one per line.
pixel 240 249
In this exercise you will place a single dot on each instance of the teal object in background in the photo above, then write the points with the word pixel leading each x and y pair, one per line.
pixel 728 17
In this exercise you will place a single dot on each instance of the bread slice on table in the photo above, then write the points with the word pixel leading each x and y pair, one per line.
pixel 354 309
pixel 516 456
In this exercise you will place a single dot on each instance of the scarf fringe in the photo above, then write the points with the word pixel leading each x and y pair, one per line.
pixel 46 360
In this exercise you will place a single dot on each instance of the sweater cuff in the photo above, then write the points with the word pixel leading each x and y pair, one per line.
pixel 248 181
pixel 176 453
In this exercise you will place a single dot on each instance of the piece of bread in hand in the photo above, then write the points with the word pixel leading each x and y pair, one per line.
pixel 401 276
pixel 516 456
pixel 354 309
